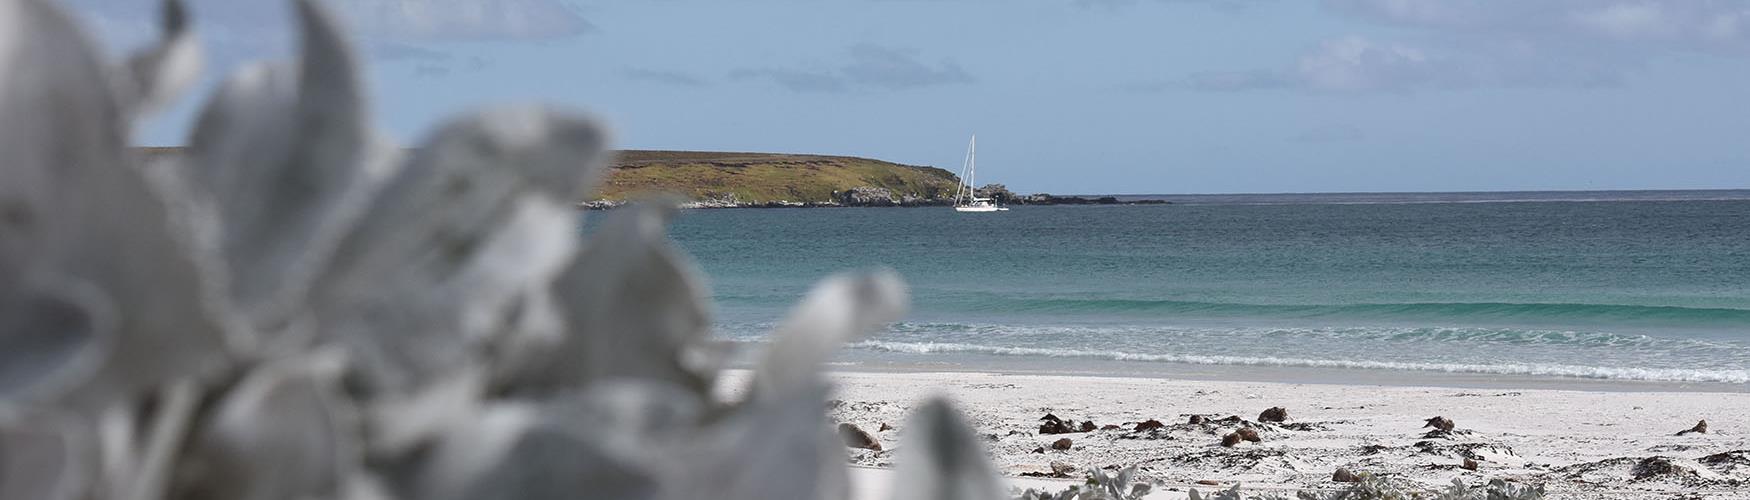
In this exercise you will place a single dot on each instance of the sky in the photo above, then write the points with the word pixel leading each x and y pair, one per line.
pixel 1072 96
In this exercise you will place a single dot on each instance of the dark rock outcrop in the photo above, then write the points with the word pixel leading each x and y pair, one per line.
pixel 1440 423
pixel 1149 424
pixel 1700 428
pixel 1249 434
pixel 1274 415
pixel 1062 444
pixel 1053 425
pixel 867 196
pixel 1232 439
pixel 1344 476
pixel 856 437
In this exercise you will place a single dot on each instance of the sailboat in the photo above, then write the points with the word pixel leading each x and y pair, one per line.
pixel 966 194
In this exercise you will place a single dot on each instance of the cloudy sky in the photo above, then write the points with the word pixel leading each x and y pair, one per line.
pixel 1080 96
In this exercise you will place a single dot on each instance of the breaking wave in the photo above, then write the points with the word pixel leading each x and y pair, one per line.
pixel 1554 370
pixel 1470 311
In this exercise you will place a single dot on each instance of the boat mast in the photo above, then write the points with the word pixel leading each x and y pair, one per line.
pixel 972 168
pixel 960 187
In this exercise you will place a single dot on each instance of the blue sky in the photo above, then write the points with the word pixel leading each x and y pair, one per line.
pixel 1078 96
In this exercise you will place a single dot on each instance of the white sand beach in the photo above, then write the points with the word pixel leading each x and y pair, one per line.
pixel 1581 444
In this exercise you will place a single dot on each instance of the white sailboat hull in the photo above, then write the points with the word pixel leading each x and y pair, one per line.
pixel 986 208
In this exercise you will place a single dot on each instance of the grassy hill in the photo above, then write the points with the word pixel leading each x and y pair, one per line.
pixel 765 177
pixel 751 178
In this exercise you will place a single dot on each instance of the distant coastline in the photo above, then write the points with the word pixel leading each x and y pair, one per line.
pixel 707 179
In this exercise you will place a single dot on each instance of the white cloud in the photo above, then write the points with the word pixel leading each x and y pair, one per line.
pixel 1355 63
pixel 1706 25
pixel 664 77
pixel 464 19
pixel 1457 44
pixel 394 20
pixel 867 66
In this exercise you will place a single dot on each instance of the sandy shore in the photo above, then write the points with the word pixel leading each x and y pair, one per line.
pixel 1580 444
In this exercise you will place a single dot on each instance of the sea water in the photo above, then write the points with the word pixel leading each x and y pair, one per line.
pixel 1650 286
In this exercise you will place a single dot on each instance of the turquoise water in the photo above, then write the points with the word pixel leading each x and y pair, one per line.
pixel 1640 286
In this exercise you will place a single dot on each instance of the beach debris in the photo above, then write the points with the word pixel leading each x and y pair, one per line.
pixel 1468 464
pixel 1232 439
pixel 940 459
pixel 1700 428
pixel 1307 426
pixel 1275 415
pixel 1343 475
pixel 884 427
pixel 1054 425
pixel 1059 470
pixel 1440 423
pixel 856 437
pixel 1149 424
pixel 1660 466
pixel 1440 434
pixel 1736 463
pixel 1658 469
pixel 1088 426
pixel 1062 444
pixel 1249 434
pixel 1198 420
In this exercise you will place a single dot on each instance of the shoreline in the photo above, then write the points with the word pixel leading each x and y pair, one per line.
pixel 1579 443
pixel 1073 367
pixel 720 204
pixel 1261 199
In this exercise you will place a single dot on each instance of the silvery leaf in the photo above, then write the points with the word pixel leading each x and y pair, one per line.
pixel 281 434
pixel 46 457
pixel 479 218
pixel 606 442
pixel 75 207
pixel 282 156
pixel 468 450
pixel 159 73
pixel 148 473
pixel 777 448
pixel 54 333
pixel 942 458
pixel 839 309
pixel 629 417
pixel 401 423
pixel 633 307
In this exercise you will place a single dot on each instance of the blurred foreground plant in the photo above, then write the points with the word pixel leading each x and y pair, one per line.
pixel 297 310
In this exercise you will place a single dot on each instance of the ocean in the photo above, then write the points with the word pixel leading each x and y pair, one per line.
pixel 1622 286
